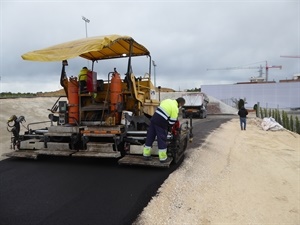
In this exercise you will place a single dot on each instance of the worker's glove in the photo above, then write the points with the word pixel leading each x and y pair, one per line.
pixel 175 128
pixel 176 124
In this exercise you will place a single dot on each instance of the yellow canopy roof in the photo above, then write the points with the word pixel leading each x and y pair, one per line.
pixel 92 48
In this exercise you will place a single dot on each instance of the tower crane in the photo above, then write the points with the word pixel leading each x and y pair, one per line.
pixel 252 67
pixel 270 67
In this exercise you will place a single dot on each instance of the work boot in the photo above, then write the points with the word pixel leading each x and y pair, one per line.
pixel 162 154
pixel 147 152
pixel 166 161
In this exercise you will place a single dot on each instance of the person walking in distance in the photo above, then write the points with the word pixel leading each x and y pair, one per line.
pixel 164 117
pixel 243 117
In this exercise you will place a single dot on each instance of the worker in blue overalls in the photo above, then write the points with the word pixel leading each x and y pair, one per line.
pixel 164 117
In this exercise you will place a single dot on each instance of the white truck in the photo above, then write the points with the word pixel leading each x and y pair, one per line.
pixel 195 105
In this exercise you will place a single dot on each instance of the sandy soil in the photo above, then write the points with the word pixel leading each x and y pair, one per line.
pixel 33 109
pixel 235 177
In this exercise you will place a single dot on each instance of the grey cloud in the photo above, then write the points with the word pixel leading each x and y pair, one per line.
pixel 184 38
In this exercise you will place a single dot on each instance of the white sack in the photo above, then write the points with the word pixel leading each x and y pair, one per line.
pixel 270 124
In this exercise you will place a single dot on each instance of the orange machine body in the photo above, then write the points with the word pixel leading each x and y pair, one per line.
pixel 115 95
pixel 73 100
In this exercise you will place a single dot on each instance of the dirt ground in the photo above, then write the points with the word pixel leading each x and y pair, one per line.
pixel 235 177
pixel 33 109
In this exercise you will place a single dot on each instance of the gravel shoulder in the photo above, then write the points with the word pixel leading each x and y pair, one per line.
pixel 235 177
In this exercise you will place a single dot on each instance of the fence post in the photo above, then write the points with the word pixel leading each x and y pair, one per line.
pixel 257 109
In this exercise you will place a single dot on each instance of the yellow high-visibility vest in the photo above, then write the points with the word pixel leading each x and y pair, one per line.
pixel 170 109
pixel 83 74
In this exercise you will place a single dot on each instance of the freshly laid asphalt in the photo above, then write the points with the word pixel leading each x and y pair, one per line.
pixel 62 191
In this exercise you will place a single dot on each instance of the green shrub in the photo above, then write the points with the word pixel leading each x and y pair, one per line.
pixel 265 112
pixel 297 125
pixel 291 123
pixel 241 103
pixel 276 114
pixel 255 107
pixel 279 120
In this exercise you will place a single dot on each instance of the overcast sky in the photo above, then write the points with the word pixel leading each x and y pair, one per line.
pixel 185 38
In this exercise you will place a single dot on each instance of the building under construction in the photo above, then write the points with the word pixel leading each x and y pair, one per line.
pixel 283 95
pixel 269 94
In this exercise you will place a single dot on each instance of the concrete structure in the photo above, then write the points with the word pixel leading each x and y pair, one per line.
pixel 296 78
pixel 283 95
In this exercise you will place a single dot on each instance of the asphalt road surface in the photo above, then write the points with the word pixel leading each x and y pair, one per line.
pixel 74 191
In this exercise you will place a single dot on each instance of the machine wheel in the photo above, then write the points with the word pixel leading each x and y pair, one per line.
pixel 201 116
pixel 122 147
pixel 178 150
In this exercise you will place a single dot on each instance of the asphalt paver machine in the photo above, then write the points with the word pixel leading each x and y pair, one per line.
pixel 102 117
